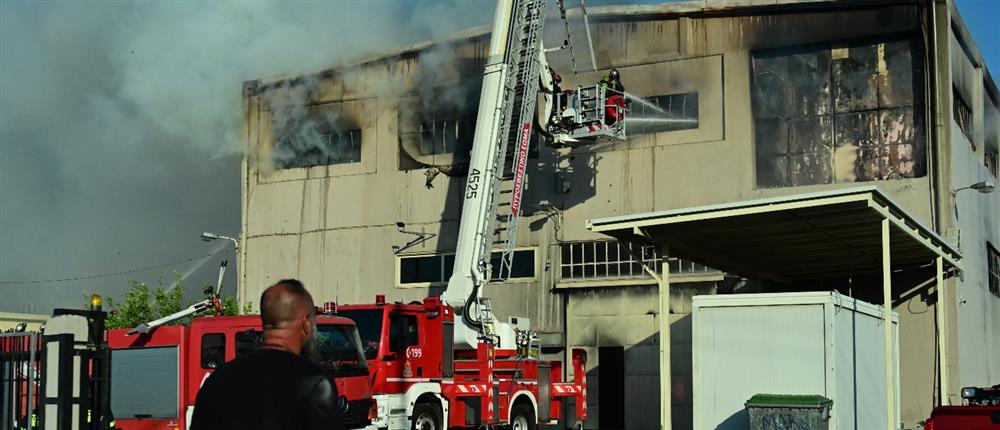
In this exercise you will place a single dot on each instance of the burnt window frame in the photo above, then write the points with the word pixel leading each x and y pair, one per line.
pixel 918 145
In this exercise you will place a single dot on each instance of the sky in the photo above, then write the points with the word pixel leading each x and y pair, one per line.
pixel 981 18
pixel 119 126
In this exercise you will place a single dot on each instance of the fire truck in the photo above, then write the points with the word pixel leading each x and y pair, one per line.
pixel 156 376
pixel 157 369
pixel 447 361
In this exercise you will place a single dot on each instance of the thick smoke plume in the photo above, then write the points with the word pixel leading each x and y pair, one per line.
pixel 120 125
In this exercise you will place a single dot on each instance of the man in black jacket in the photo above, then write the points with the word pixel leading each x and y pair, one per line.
pixel 274 387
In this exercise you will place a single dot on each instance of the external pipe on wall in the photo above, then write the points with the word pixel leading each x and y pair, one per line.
pixel 939 185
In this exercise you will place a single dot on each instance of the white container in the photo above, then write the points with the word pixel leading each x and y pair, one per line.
pixel 790 343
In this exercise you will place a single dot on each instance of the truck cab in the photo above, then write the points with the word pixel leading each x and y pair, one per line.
pixel 156 376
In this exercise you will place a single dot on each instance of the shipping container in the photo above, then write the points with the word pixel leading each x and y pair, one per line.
pixel 821 343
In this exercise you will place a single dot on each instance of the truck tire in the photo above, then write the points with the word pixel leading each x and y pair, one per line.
pixel 427 416
pixel 522 417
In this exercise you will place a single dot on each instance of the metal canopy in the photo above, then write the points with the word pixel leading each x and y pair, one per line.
pixel 790 238
pixel 794 238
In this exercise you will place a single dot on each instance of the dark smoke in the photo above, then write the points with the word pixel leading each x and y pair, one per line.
pixel 120 126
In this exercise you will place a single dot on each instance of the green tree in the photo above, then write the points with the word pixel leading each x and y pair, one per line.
pixel 142 305
pixel 134 309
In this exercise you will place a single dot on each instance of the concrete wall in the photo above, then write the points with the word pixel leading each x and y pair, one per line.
pixel 974 215
pixel 333 226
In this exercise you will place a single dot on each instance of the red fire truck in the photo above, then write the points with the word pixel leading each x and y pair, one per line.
pixel 155 376
pixel 421 381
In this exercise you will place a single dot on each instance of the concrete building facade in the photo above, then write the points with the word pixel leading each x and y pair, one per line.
pixel 775 99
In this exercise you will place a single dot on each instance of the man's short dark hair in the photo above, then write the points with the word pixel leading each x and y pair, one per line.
pixel 283 302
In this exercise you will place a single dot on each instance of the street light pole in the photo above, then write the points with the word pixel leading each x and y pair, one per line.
pixel 208 237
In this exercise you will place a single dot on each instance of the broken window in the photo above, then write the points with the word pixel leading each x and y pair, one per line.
pixel 962 113
pixel 826 114
pixel 316 138
pixel 662 113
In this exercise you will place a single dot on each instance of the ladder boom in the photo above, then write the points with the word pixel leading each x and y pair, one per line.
pixel 497 162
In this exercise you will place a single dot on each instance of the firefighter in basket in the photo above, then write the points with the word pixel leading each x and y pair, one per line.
pixel 614 99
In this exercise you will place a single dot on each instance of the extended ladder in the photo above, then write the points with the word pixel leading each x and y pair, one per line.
pixel 521 95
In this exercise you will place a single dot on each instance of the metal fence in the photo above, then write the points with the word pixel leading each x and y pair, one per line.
pixel 20 380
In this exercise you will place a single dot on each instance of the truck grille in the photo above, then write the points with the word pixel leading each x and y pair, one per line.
pixel 357 413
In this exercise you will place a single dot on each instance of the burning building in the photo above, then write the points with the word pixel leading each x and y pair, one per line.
pixel 353 176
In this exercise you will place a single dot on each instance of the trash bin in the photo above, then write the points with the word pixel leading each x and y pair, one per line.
pixel 789 412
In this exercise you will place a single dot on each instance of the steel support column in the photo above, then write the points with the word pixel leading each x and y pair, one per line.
pixel 664 322
pixel 890 386
pixel 939 310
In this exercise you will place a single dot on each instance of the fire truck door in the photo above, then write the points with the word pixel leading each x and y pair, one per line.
pixel 404 346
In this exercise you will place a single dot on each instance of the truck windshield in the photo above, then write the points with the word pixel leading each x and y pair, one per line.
pixel 369 323
pixel 339 350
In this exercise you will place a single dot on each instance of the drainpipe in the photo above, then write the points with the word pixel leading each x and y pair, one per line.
pixel 940 182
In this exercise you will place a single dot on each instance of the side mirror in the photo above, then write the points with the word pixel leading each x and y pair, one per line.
pixel 969 392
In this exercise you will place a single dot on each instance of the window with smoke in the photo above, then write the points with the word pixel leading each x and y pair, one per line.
pixel 438 123
pixel 663 113
pixel 838 112
pixel 318 137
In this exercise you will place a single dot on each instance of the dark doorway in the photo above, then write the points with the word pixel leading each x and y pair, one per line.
pixel 611 391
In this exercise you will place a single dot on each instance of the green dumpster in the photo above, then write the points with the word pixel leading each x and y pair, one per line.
pixel 789 412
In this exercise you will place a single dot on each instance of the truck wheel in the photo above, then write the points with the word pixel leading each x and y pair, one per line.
pixel 522 417
pixel 427 416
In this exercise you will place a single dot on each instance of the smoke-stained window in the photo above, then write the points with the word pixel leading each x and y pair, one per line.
pixel 446 136
pixel 838 113
pixel 991 147
pixel 662 113
pixel 437 126
pixel 316 138
pixel 962 113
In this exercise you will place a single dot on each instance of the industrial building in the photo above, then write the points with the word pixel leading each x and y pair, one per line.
pixel 354 176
